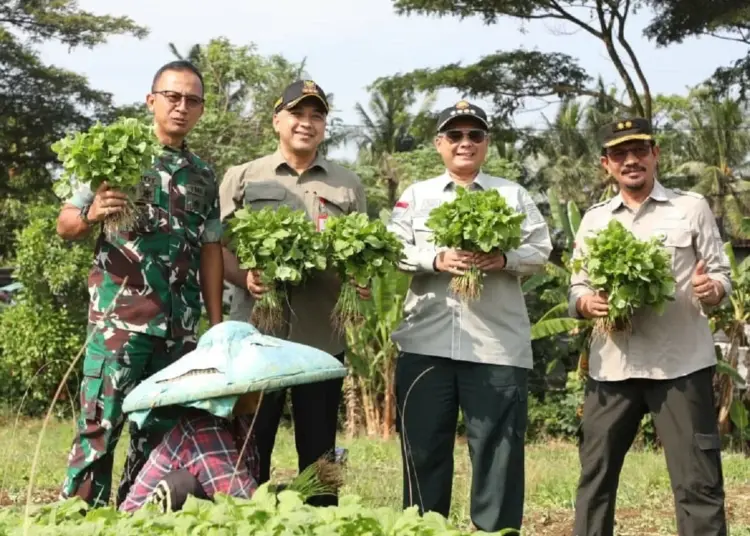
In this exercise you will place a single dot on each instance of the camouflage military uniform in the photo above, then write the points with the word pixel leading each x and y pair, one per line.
pixel 153 322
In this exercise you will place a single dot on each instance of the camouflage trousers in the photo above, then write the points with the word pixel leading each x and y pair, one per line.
pixel 115 362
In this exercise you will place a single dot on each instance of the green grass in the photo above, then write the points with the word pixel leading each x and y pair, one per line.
pixel 374 473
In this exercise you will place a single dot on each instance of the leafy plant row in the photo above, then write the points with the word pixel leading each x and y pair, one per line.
pixel 265 514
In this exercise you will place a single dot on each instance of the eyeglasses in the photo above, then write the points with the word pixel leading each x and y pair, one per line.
pixel 619 154
pixel 475 135
pixel 174 98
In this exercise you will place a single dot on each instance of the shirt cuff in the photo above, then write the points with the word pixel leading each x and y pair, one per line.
pixel 425 260
pixel 727 286
pixel 212 232
pixel 575 295
pixel 81 199
pixel 512 261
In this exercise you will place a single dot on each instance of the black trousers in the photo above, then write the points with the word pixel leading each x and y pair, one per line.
pixel 429 393
pixel 684 417
pixel 315 409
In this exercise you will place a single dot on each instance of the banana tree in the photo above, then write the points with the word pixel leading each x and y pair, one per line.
pixel 372 355
pixel 733 320
pixel 556 320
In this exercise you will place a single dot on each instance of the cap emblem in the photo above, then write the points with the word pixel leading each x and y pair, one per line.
pixel 308 86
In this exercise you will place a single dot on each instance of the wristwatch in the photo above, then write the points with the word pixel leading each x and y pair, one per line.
pixel 84 214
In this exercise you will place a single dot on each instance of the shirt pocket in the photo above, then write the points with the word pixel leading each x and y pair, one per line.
pixel 677 240
pixel 333 201
pixel 200 193
pixel 147 213
pixel 260 195
pixel 422 233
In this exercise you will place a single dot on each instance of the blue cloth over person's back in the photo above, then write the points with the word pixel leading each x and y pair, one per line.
pixel 231 359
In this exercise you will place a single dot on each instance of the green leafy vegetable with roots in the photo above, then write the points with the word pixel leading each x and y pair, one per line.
pixel 361 250
pixel 634 273
pixel 477 222
pixel 284 246
pixel 118 153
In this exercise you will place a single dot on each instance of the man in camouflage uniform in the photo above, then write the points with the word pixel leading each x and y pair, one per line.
pixel 155 266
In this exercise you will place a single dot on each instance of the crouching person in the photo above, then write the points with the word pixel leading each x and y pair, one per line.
pixel 202 455
pixel 216 390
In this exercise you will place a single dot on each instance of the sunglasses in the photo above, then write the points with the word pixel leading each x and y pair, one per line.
pixel 619 154
pixel 174 98
pixel 475 135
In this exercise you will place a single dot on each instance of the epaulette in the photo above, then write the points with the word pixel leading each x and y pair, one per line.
pixel 597 205
pixel 688 192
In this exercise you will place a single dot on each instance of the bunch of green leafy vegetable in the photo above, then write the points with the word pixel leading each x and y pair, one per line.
pixel 283 246
pixel 477 222
pixel 360 249
pixel 266 513
pixel 634 274
pixel 118 153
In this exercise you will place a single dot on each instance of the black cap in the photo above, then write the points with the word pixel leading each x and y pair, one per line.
pixel 461 110
pixel 296 91
pixel 633 128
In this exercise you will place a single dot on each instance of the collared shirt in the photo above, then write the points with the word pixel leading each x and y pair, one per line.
pixel 208 447
pixel 495 328
pixel 679 341
pixel 325 189
pixel 177 205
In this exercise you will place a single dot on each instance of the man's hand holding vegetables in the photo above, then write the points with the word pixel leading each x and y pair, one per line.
pixel 658 253
pixel 490 262
pixel 257 288
pixel 593 305
pixel 107 201
pixel 173 232
pixel 472 355
pixel 457 262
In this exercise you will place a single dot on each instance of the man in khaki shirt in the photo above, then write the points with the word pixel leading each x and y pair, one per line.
pixel 666 364
pixel 296 175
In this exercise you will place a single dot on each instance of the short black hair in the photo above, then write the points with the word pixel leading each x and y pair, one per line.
pixel 177 65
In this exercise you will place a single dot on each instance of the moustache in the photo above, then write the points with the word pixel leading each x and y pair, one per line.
pixel 632 169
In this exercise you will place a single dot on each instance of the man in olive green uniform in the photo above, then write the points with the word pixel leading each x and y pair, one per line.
pixel 297 176
pixel 471 357
pixel 154 320
pixel 666 364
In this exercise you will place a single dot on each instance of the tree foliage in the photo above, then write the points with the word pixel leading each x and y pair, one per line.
pixel 506 78
pixel 390 126
pixel 38 103
pixel 555 73
pixel 706 141
pixel 676 20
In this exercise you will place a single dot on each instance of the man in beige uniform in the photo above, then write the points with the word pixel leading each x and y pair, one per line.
pixel 296 175
pixel 665 366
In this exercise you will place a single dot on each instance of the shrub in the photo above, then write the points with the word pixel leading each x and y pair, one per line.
pixel 38 343
pixel 44 330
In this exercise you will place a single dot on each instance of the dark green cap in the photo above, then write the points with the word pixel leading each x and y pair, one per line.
pixel 295 92
pixel 633 128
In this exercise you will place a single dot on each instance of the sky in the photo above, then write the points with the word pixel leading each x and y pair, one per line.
pixel 349 43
